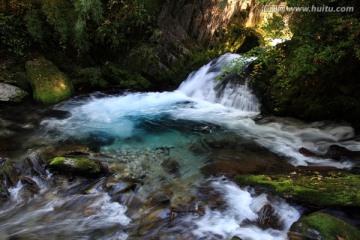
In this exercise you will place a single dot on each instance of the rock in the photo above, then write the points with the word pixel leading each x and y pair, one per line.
pixel 31 185
pixel 268 218
pixel 9 175
pixel 320 225
pixel 97 139
pixel 4 193
pixel 231 162
pixel 37 165
pixel 339 153
pixel 306 152
pixel 49 84
pixel 78 166
pixel 170 166
pixel 332 188
pixel 115 186
pixel 9 93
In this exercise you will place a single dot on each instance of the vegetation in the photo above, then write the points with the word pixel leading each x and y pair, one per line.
pixel 328 189
pixel 314 75
pixel 327 226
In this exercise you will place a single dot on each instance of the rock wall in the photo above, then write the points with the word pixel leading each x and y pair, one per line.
pixel 189 25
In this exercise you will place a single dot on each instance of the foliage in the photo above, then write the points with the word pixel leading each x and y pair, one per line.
pixel 275 27
pixel 13 35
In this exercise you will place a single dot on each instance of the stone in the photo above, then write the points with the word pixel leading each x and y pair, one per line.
pixel 37 164
pixel 320 225
pixel 334 188
pixel 10 93
pixel 230 162
pixel 306 152
pixel 30 184
pixel 49 84
pixel 78 166
pixel 170 166
pixel 268 218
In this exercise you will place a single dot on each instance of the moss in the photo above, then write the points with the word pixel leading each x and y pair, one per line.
pixel 329 227
pixel 330 189
pixel 75 165
pixel 49 84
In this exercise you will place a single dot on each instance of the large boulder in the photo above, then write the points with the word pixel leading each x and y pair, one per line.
pixel 333 188
pixel 320 225
pixel 49 84
pixel 10 93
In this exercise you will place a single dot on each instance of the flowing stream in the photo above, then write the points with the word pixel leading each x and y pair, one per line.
pixel 157 144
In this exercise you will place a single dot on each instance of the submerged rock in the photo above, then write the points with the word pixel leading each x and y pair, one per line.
pixel 78 166
pixel 49 84
pixel 170 166
pixel 332 188
pixel 322 226
pixel 9 93
pixel 231 163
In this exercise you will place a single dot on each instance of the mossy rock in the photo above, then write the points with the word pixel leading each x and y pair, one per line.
pixel 332 188
pixel 78 166
pixel 49 84
pixel 323 226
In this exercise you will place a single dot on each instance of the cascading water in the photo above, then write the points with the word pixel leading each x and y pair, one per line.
pixel 162 140
pixel 202 85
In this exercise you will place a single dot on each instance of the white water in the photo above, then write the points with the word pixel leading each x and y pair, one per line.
pixel 197 100
pixel 241 207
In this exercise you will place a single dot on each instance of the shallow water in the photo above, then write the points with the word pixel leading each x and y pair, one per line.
pixel 157 143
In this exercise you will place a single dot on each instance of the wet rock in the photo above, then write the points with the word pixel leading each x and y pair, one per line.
pixel 99 139
pixel 78 166
pixel 220 141
pixel 49 84
pixel 320 225
pixel 170 166
pixel 82 186
pixel 9 93
pixel 9 175
pixel 31 185
pixel 150 222
pixel 230 162
pixel 332 188
pixel 118 186
pixel 268 218
pixel 306 152
pixel 197 148
pixel 36 164
pixel 339 153
pixel 4 193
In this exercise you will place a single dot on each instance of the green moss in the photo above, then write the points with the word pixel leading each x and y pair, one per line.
pixel 49 84
pixel 331 189
pixel 329 227
pixel 81 165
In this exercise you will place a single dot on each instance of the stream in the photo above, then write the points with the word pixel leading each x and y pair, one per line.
pixel 165 151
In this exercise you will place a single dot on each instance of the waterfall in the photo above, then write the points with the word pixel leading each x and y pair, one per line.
pixel 232 91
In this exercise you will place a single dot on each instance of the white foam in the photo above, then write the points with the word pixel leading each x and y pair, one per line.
pixel 242 207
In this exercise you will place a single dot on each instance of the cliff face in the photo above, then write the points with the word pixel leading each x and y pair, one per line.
pixel 193 27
